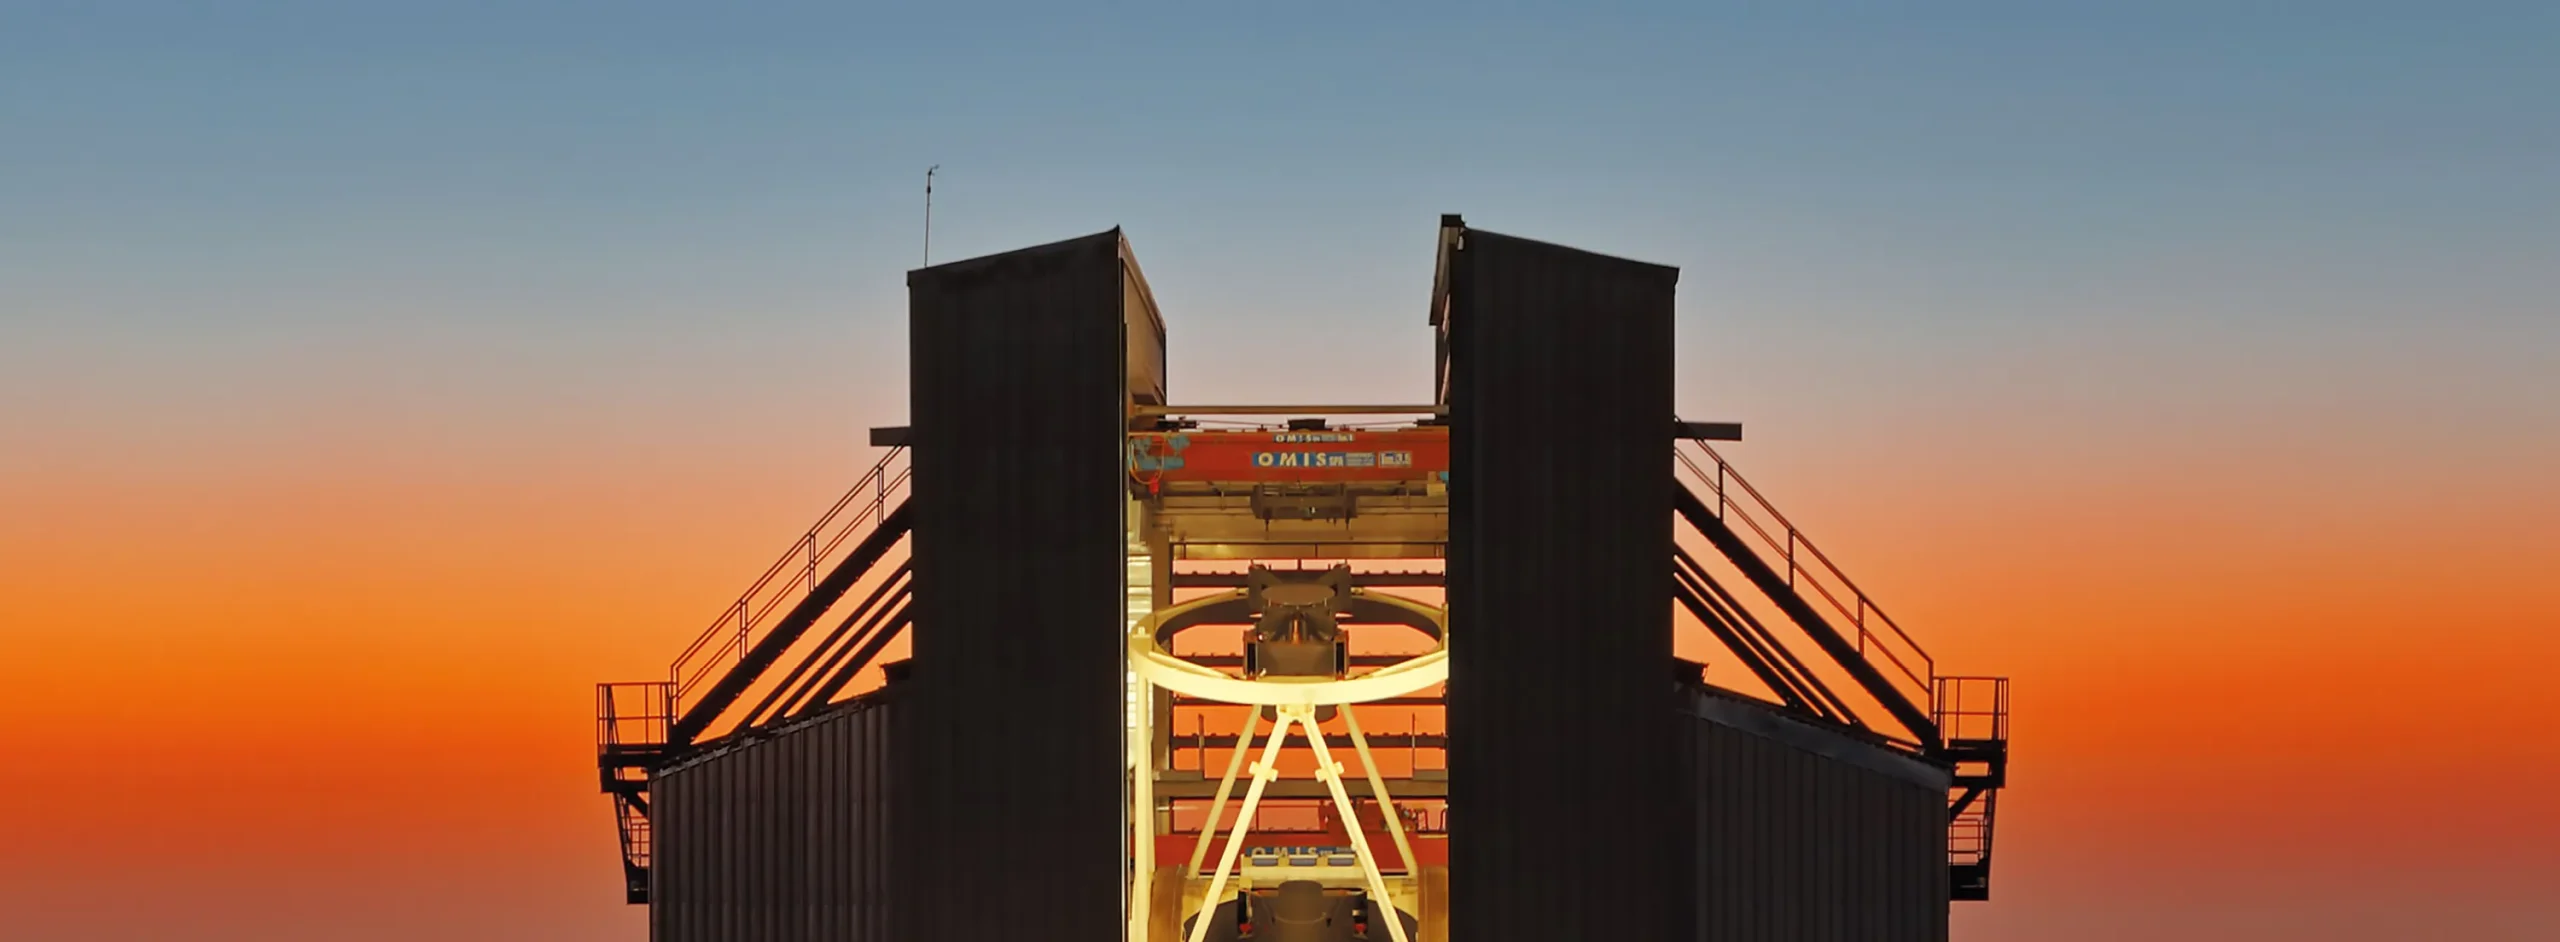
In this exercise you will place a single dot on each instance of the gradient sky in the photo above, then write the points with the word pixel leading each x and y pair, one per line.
pixel 375 377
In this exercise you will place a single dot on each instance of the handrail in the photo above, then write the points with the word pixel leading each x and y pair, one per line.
pixel 1794 548
pixel 1972 708
pixel 632 713
pixel 729 636
pixel 1969 835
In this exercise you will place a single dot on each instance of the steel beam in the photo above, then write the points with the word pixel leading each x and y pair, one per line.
pixel 1153 411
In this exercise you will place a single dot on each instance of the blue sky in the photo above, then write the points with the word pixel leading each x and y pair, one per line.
pixel 1893 220
pixel 1924 197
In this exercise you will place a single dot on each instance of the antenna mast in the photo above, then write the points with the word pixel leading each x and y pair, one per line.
pixel 928 212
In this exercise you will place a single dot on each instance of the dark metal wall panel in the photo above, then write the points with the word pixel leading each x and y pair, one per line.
pixel 1561 695
pixel 1808 835
pixel 1018 411
pixel 775 838
pixel 1146 351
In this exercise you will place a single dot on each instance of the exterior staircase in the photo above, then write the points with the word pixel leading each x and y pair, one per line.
pixel 641 726
pixel 1959 722
pixel 1974 712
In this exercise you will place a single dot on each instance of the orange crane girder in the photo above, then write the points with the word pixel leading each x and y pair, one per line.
pixel 1293 456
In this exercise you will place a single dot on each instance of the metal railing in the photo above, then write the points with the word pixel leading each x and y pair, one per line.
pixel 1969 835
pixel 633 714
pixel 633 826
pixel 1971 708
pixel 1809 572
pixel 792 577
pixel 1972 714
pixel 1414 743
pixel 632 720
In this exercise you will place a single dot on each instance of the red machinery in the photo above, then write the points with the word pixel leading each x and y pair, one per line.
pixel 1291 456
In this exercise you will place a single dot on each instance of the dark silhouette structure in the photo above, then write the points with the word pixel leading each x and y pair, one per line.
pixel 1049 526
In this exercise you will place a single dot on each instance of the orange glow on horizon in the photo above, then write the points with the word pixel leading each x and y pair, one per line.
pixel 329 674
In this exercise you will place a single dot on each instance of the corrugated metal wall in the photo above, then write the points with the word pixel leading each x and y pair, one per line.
pixel 1560 694
pixel 1807 835
pixel 1017 411
pixel 777 839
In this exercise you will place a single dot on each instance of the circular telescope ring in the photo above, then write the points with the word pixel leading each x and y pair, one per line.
pixel 1149 659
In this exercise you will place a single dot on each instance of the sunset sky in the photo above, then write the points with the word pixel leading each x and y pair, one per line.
pixel 376 377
